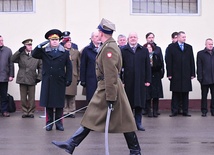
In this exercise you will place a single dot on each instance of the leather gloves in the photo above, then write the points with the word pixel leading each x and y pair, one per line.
pixel 21 49
pixel 110 104
pixel 43 43
pixel 68 83
pixel 83 84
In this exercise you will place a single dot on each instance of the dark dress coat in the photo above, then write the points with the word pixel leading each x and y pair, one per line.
pixel 137 72
pixel 30 69
pixel 155 90
pixel 108 66
pixel 205 67
pixel 87 70
pixel 56 70
pixel 180 66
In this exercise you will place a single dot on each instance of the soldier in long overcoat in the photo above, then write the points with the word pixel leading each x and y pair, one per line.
pixel 109 91
pixel 29 74
pixel 56 75
pixel 71 91
pixel 137 75
pixel 180 67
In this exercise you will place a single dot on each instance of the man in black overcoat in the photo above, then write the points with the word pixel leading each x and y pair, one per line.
pixel 56 75
pixel 205 75
pixel 87 66
pixel 137 75
pixel 180 67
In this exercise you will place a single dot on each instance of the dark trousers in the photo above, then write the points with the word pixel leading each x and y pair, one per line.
pixel 177 98
pixel 3 94
pixel 50 115
pixel 204 92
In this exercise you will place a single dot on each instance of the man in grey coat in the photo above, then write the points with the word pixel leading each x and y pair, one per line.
pixel 6 75
pixel 29 74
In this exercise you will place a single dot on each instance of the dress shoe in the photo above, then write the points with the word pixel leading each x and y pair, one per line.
pixel 186 115
pixel 155 114
pixel 204 115
pixel 140 128
pixel 49 128
pixel 31 116
pixel 173 115
pixel 64 145
pixel 60 128
pixel 24 116
pixel 5 114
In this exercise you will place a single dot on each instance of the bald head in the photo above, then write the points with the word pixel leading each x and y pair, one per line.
pixel 133 38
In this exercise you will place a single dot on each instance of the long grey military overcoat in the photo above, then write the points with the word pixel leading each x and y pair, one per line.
pixel 108 65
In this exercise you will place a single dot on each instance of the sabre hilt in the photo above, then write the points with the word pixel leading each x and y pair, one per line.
pixel 110 105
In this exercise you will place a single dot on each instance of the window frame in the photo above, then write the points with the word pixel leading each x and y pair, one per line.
pixel 167 14
pixel 22 12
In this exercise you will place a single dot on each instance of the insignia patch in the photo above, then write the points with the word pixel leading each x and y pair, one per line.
pixel 109 54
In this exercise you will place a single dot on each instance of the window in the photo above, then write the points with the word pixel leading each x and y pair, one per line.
pixel 165 6
pixel 16 5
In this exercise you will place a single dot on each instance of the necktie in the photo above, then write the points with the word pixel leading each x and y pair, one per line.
pixel 133 49
pixel 182 46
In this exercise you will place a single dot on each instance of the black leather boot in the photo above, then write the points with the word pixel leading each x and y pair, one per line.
pixel 132 142
pixel 74 141
pixel 49 119
pixel 58 115
pixel 138 119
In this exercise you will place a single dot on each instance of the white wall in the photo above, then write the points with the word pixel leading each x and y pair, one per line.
pixel 82 17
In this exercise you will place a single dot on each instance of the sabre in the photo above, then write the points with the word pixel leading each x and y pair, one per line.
pixel 65 116
pixel 110 108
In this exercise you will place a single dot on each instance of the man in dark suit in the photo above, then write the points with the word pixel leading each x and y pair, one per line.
pixel 137 75
pixel 205 75
pixel 87 66
pixel 56 75
pixel 180 67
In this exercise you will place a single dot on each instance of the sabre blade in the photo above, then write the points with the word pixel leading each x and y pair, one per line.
pixel 106 131
pixel 65 116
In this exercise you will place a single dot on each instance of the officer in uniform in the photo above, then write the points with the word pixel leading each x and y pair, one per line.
pixel 66 34
pixel 71 91
pixel 110 91
pixel 29 74
pixel 56 75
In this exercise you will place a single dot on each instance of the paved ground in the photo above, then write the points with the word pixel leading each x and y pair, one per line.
pixel 163 136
